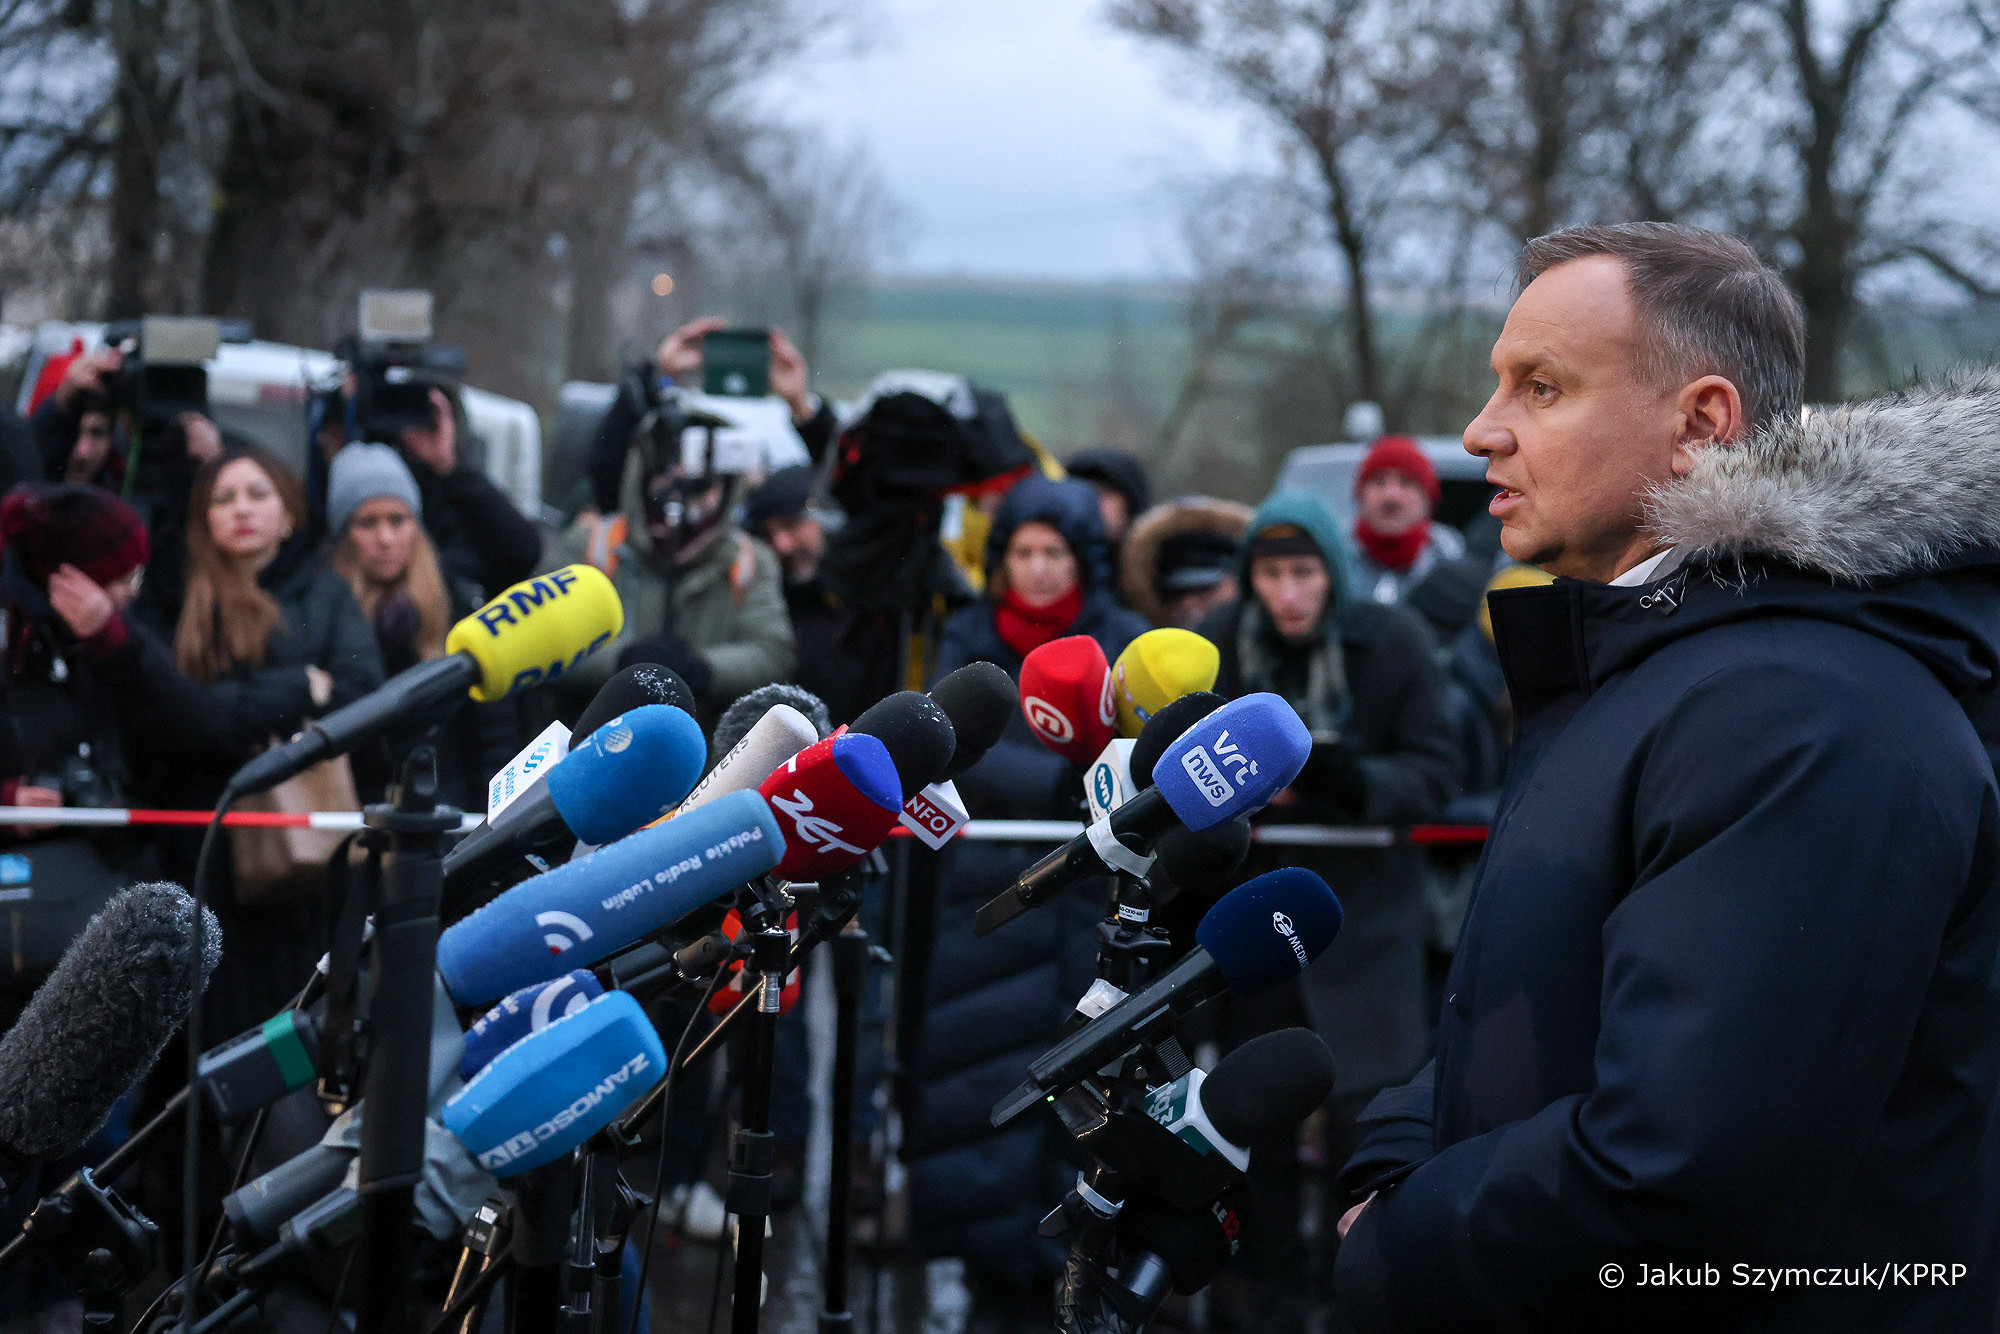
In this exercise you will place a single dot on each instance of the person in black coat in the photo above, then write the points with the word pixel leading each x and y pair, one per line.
pixel 993 1004
pixel 1727 996
pixel 483 542
pixel 275 638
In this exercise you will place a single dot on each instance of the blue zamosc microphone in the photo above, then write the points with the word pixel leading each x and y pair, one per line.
pixel 554 1089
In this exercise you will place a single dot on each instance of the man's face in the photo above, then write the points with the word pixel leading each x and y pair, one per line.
pixel 1572 435
pixel 1188 610
pixel 1293 590
pixel 1393 502
pixel 799 542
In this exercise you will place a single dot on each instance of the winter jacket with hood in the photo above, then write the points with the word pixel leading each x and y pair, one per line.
pixel 992 1004
pixel 1139 570
pixel 1727 992
pixel 1365 994
pixel 728 603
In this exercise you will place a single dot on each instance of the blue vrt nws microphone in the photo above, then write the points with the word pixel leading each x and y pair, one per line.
pixel 1263 932
pixel 618 895
pixel 529 1010
pixel 628 772
pixel 1228 765
pixel 554 1089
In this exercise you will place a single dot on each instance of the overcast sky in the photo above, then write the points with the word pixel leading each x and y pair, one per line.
pixel 1027 138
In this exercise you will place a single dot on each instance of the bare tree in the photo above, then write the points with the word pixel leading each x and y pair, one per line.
pixel 1348 84
pixel 822 209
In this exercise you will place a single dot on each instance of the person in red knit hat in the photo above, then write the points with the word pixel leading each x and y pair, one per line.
pixel 1405 558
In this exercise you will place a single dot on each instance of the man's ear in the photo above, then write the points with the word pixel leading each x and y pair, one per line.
pixel 1708 411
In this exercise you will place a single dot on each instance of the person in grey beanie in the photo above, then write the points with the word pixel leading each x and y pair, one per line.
pixel 363 472
pixel 378 546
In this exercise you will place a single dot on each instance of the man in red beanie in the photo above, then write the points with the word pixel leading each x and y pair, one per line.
pixel 1404 557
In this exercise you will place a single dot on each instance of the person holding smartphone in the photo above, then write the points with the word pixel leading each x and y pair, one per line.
pixel 679 362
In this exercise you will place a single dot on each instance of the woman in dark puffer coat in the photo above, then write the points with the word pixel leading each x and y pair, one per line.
pixel 993 1004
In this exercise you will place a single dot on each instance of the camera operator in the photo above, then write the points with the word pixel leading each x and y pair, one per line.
pixel 678 361
pixel 701 596
pixel 78 431
pixel 1726 998
pixel 482 539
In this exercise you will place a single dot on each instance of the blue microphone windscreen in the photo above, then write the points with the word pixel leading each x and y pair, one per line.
pixel 554 1089
pixel 596 905
pixel 629 772
pixel 1232 762
pixel 1268 929
pixel 529 1010
pixel 865 762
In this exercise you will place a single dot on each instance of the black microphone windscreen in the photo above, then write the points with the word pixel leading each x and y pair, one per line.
pixel 917 734
pixel 980 699
pixel 95 1027
pixel 1165 727
pixel 740 717
pixel 1193 867
pixel 1195 1243
pixel 634 687
pixel 1265 1088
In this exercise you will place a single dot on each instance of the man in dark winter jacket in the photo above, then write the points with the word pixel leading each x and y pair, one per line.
pixel 1364 678
pixel 992 1004
pixel 1721 1043
pixel 482 540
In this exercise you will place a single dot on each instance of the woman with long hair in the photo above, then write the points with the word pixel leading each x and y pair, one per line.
pixel 279 639
pixel 379 548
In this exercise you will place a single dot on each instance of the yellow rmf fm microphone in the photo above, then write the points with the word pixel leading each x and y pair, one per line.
pixel 536 631
pixel 1158 668
pixel 539 629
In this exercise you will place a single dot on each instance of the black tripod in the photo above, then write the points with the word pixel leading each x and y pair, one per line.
pixel 410 836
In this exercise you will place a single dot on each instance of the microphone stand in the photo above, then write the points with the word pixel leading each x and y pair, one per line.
pixel 1129 946
pixel 851 954
pixel 410 833
pixel 750 1151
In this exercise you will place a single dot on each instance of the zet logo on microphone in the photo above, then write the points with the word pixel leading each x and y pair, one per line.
pixel 816 830
pixel 555 924
pixel 1284 927
pixel 1048 720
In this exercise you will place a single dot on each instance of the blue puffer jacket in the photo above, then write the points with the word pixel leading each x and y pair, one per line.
pixel 1727 996
pixel 993 1004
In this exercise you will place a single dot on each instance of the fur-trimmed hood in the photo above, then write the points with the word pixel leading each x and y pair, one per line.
pixel 1139 564
pixel 1862 493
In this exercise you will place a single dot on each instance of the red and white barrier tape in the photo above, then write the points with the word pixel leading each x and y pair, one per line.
pixel 991 831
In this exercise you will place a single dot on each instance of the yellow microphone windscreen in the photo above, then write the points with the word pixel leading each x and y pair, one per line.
pixel 1158 668
pixel 539 629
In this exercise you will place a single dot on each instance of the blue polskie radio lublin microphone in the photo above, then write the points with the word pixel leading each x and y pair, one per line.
pixel 614 897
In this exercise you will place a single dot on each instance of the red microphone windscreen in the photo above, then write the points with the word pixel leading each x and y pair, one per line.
pixel 1066 696
pixel 835 801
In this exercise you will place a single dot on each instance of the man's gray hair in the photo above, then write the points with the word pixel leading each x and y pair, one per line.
pixel 1706 305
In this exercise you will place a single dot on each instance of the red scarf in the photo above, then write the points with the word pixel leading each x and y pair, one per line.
pixel 1025 628
pixel 1396 552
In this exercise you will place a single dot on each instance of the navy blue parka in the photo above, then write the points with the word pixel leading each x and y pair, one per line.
pixel 1726 998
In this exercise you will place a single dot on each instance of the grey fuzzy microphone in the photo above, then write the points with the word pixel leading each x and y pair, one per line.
pixel 95 1027
pixel 740 717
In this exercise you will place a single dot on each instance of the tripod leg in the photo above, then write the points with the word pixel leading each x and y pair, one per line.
pixel 850 963
pixel 750 1158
